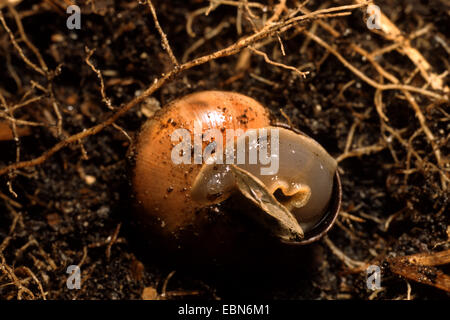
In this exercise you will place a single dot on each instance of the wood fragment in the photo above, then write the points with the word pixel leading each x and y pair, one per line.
pixel 6 134
pixel 421 268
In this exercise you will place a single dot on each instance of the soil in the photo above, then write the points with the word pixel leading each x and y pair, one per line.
pixel 74 208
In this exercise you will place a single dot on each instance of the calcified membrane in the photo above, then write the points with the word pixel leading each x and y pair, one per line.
pixel 303 182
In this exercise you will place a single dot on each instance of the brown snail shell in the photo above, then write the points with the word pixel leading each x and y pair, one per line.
pixel 163 189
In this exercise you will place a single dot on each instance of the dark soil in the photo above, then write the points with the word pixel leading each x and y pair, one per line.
pixel 61 218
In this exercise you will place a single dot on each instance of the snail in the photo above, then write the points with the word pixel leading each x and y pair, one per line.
pixel 198 153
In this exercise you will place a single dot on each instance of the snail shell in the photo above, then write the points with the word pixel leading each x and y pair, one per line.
pixel 163 189
pixel 171 196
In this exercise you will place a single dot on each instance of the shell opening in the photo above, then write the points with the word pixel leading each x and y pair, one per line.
pixel 303 182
